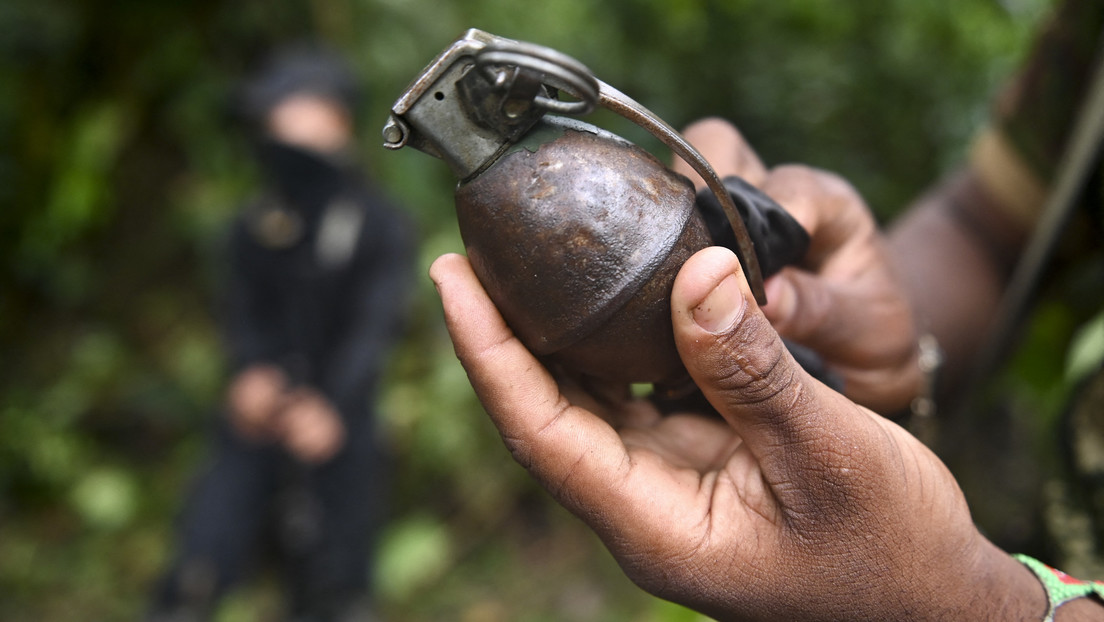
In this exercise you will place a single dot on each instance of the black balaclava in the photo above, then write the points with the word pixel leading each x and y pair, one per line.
pixel 306 181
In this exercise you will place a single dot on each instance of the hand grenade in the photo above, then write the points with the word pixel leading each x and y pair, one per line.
pixel 575 233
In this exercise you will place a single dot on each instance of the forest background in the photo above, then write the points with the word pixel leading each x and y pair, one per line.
pixel 119 170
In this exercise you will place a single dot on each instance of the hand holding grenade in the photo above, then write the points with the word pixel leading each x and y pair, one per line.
pixel 575 233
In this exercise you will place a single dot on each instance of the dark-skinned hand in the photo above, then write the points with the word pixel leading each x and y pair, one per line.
pixel 798 505
pixel 846 300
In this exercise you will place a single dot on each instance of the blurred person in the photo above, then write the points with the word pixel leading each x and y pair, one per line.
pixel 319 264
pixel 799 502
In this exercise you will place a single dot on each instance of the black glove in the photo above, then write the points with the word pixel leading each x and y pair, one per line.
pixel 778 239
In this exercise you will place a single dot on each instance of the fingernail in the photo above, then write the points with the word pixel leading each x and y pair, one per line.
pixel 721 307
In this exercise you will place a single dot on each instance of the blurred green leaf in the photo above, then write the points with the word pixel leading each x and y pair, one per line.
pixel 664 611
pixel 106 498
pixel 1087 350
pixel 414 553
pixel 82 191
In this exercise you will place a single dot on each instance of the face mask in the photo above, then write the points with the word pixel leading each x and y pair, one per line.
pixel 305 179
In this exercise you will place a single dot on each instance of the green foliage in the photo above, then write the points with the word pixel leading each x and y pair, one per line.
pixel 119 171
pixel 1087 351
pixel 418 551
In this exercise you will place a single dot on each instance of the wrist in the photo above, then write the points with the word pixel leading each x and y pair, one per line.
pixel 1080 610
pixel 1072 597
pixel 997 587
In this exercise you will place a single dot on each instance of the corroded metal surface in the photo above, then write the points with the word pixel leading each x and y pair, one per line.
pixel 577 237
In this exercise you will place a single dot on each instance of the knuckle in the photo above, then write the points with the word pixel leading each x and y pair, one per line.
pixel 752 370
pixel 808 181
pixel 519 451
pixel 812 307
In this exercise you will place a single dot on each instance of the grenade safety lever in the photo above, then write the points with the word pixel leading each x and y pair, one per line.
pixel 483 93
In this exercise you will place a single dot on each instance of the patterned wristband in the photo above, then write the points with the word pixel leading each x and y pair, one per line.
pixel 1060 588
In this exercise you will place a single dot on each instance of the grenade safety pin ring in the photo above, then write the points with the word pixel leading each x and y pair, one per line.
pixel 554 68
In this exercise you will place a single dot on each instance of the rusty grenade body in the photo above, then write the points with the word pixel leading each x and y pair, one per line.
pixel 577 236
pixel 575 233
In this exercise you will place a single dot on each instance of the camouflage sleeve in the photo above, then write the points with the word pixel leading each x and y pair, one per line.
pixel 1017 154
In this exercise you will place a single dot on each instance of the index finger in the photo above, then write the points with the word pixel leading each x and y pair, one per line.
pixel 829 209
pixel 724 147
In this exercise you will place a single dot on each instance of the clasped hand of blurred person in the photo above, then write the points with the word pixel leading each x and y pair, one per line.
pixel 801 503
pixel 262 408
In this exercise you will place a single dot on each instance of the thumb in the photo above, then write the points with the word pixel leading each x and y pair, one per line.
pixel 797 429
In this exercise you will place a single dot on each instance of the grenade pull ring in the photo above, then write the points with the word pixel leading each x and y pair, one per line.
pixel 544 66
pixel 512 86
